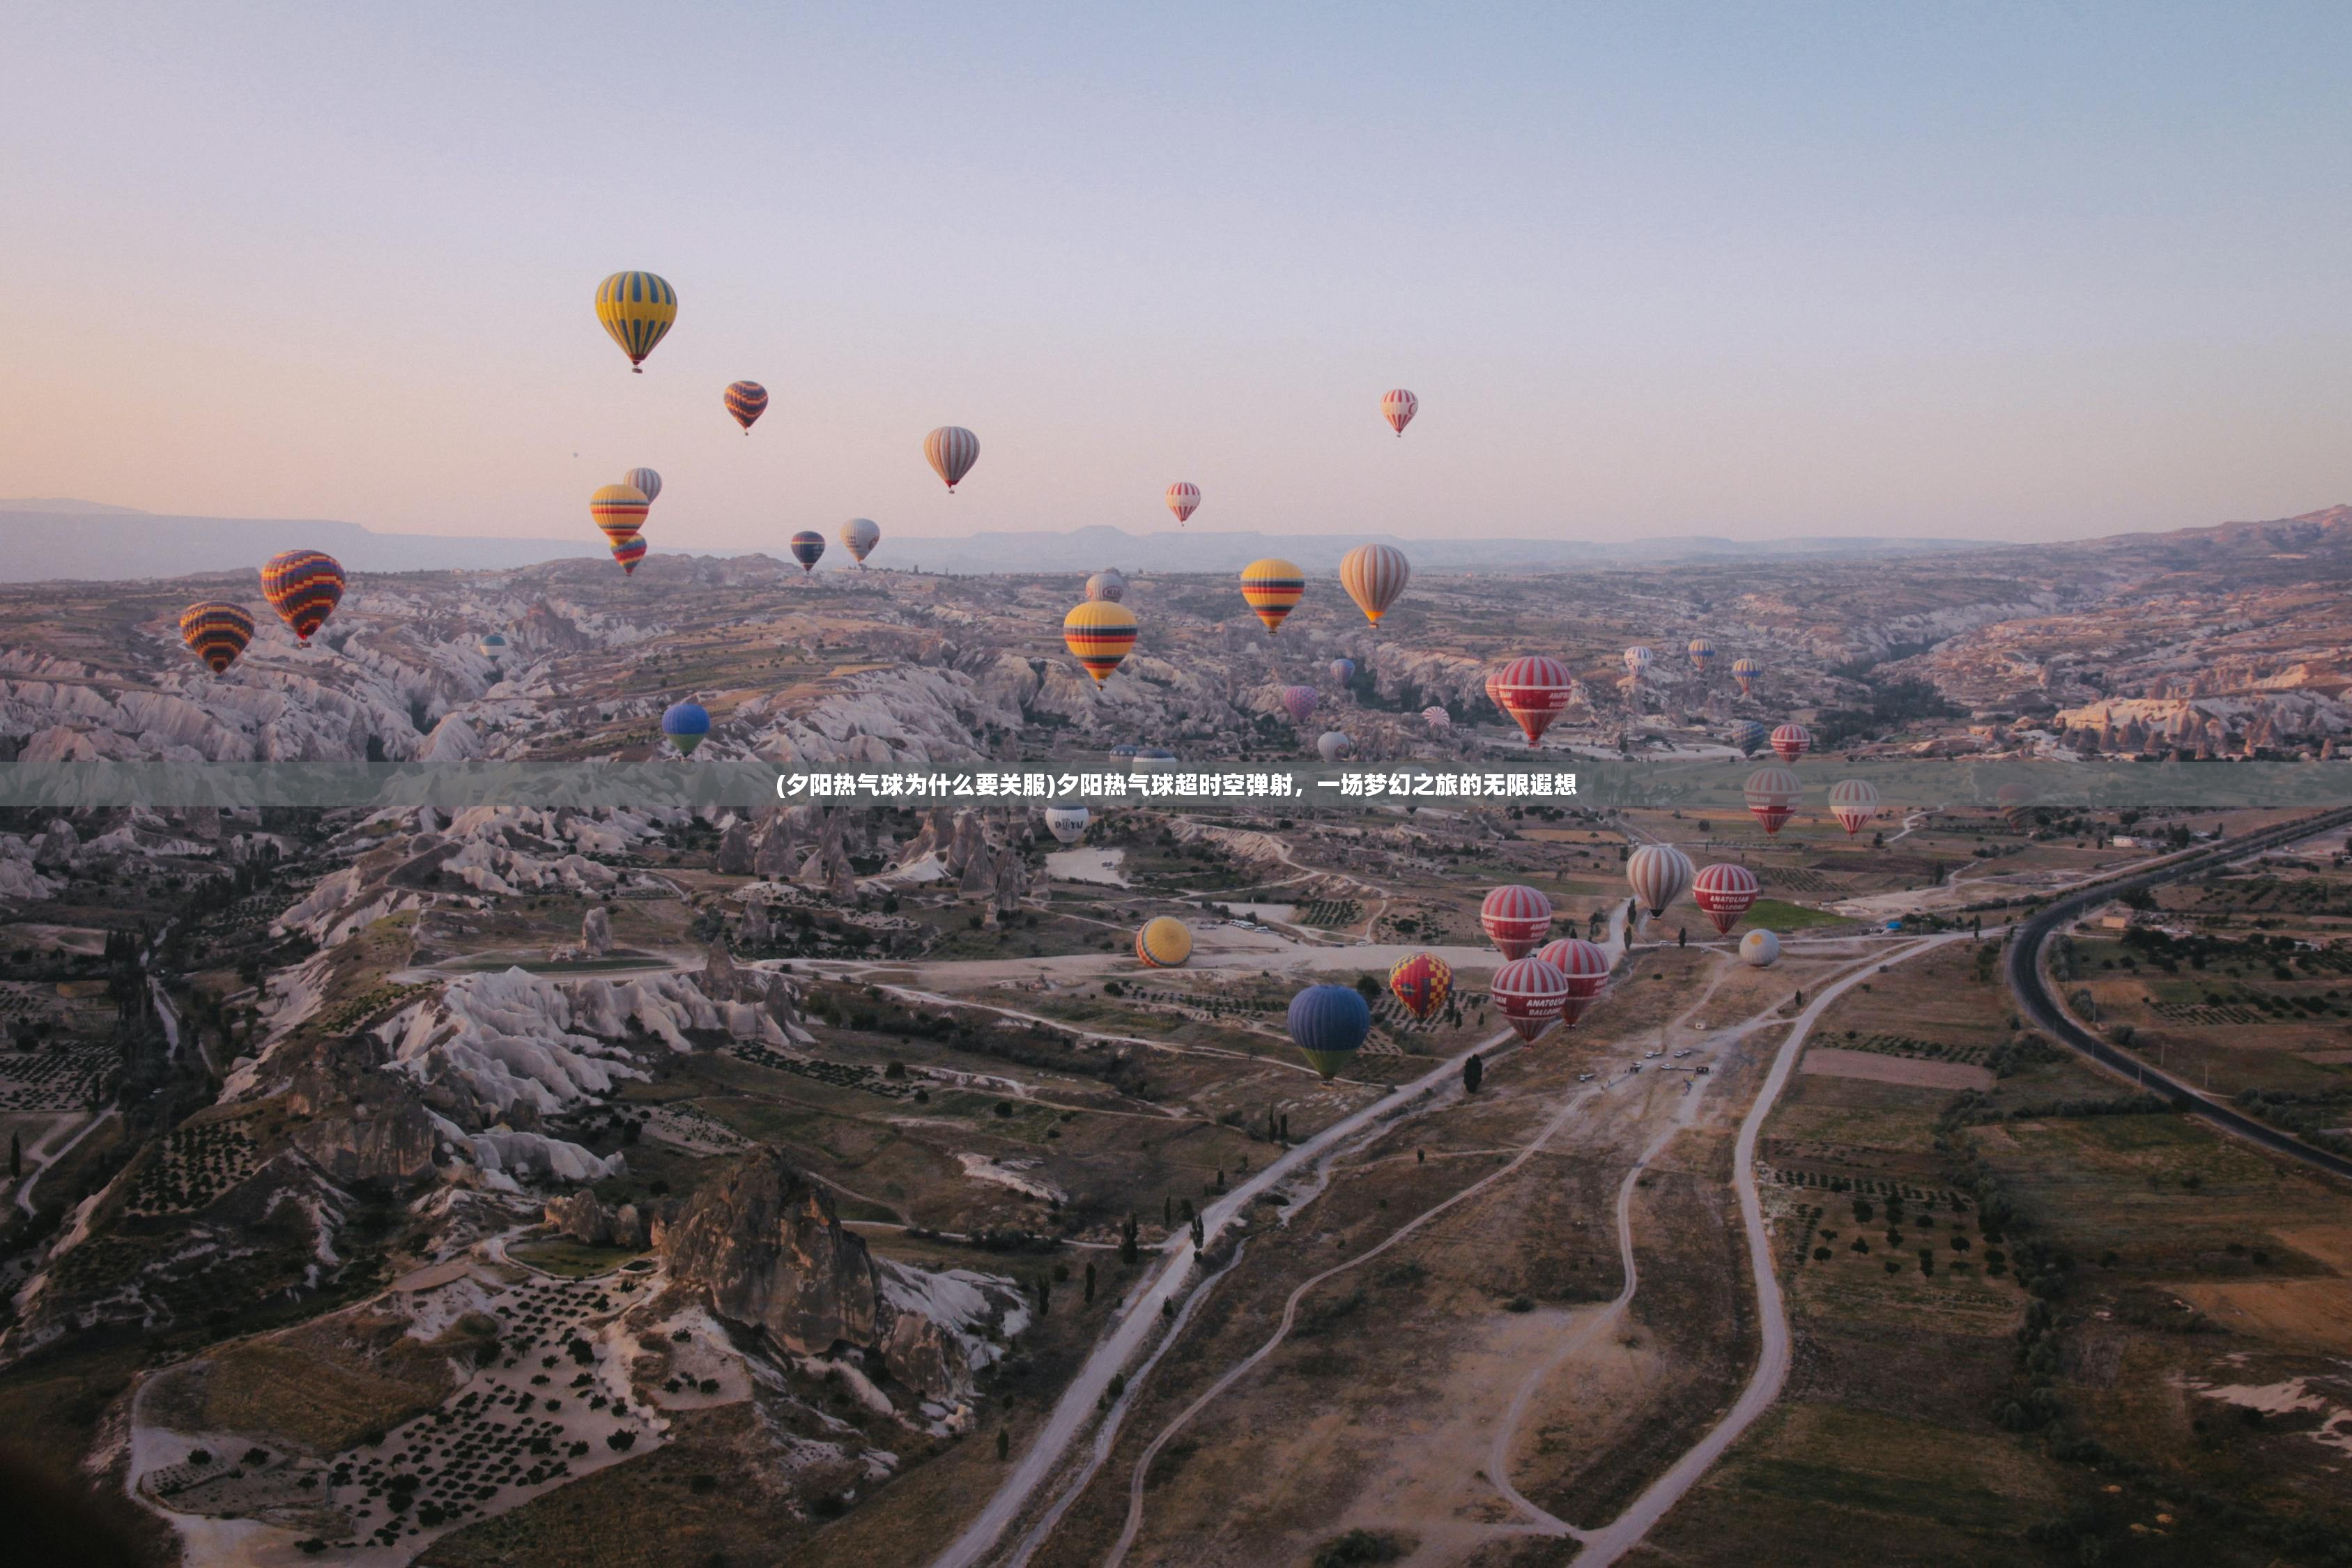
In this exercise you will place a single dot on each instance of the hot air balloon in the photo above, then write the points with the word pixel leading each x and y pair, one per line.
pixel 2014 800
pixel 1343 670
pixel 1272 588
pixel 1534 690
pixel 747 400
pixel 1746 670
pixel 1637 661
pixel 1421 982
pixel 1067 824
pixel 1773 795
pixel 1328 1024
pixel 1747 735
pixel 1516 919
pixel 636 308
pixel 1098 634
pixel 1299 702
pixel 1659 874
pixel 952 451
pixel 303 586
pixel 1374 577
pixel 685 723
pixel 1759 950
pixel 1437 718
pixel 1791 741
pixel 1107 585
pixel 1723 893
pixel 619 510
pixel 493 646
pixel 1154 759
pixel 216 633
pixel 808 548
pixel 1163 943
pixel 1333 744
pixel 1701 654
pixel 1532 995
pixel 1124 750
pixel 644 479
pixel 859 536
pixel 1585 967
pixel 1398 406
pixel 1183 499
pixel 1854 802
pixel 629 552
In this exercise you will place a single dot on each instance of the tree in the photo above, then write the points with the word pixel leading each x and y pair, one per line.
pixel 1090 1285
pixel 16 1155
pixel 1128 1252
pixel 1474 1073
pixel 1045 1296
pixel 1004 1445
pixel 1369 987
pixel 1200 1236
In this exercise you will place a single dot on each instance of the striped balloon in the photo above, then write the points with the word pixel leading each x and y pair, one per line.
pixel 1272 587
pixel 1183 499
pixel 1107 584
pixel 1374 575
pixel 1163 943
pixel 747 400
pixel 1773 795
pixel 216 633
pixel 1747 734
pixel 1098 634
pixel 1723 893
pixel 1532 995
pixel 1791 741
pixel 859 535
pixel 1436 717
pixel 619 510
pixel 952 451
pixel 1658 874
pixel 1637 661
pixel 637 308
pixel 629 552
pixel 1533 690
pixel 808 548
pixel 1701 654
pixel 646 480
pixel 1516 919
pixel 1343 670
pixel 1328 1022
pixel 1854 802
pixel 1398 406
pixel 303 586
pixel 1746 670
pixel 1421 982
pixel 1585 967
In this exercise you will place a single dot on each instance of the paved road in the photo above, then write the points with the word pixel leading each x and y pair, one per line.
pixel 2027 981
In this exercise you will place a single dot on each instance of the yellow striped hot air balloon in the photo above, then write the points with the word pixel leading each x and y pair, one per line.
pixel 1163 943
pixel 1272 587
pixel 620 511
pixel 216 633
pixel 637 308
pixel 1100 634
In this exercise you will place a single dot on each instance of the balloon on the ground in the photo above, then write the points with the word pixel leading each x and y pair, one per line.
pixel 637 308
pixel 1658 874
pixel 629 552
pixel 1154 759
pixel 1299 702
pixel 1421 982
pixel 859 535
pixel 1748 735
pixel 1585 966
pixel 1516 918
pixel 1343 670
pixel 1723 892
pixel 1098 634
pixel 1531 993
pixel 1183 499
pixel 1746 670
pixel 808 548
pixel 1107 584
pixel 951 450
pixel 1333 744
pixel 1772 794
pixel 1067 824
pixel 303 586
pixel 1374 577
pixel 644 480
pixel 1328 1022
pixel 685 723
pixel 1398 406
pixel 1533 690
pixel 1701 654
pixel 216 633
pixel 1791 741
pixel 1854 802
pixel 1272 589
pixel 747 400
pixel 1436 717
pixel 1163 943
pixel 619 510
pixel 1759 949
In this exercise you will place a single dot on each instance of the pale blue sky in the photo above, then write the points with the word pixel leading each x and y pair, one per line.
pixel 1986 269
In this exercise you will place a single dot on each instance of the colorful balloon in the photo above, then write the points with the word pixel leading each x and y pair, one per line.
pixel 1438 720
pixel 619 510
pixel 216 633
pixel 644 480
pixel 859 535
pixel 1746 670
pixel 1328 1024
pixel 1659 874
pixel 1637 661
pixel 629 552
pixel 1098 634
pixel 637 308
pixel 685 723
pixel 1585 966
pixel 1183 499
pixel 1759 950
pixel 1163 943
pixel 1343 670
pixel 1272 587
pixel 1791 741
pixel 1299 702
pixel 1701 654
pixel 1333 744
pixel 1534 690
pixel 1772 794
pixel 303 586
pixel 808 548
pixel 1374 577
pixel 1747 735
pixel 747 400
pixel 1107 585
pixel 1421 982
pixel 1067 824
pixel 1398 406
pixel 1854 802
pixel 1723 892
pixel 952 451
pixel 1516 919
pixel 1532 995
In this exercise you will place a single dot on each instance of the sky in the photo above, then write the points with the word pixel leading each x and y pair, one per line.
pixel 2014 271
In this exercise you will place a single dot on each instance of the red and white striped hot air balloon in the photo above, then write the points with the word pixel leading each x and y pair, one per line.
pixel 1398 406
pixel 1586 968
pixel 1791 741
pixel 1183 499
pixel 1773 795
pixel 1534 690
pixel 1516 919
pixel 1531 993
pixel 1854 802
pixel 1658 873
pixel 1723 892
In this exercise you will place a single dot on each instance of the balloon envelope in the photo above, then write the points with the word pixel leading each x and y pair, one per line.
pixel 645 480
pixel 1272 589
pixel 1421 982
pixel 808 548
pixel 747 400
pixel 1333 744
pixel 1585 966
pixel 619 510
pixel 303 586
pixel 1374 577
pixel 1745 670
pixel 1658 874
pixel 1854 802
pixel 1637 660
pixel 1759 949
pixel 1343 670
pixel 1183 499
pixel 1163 943
pixel 1436 717
pixel 629 552
pixel 1723 892
pixel 1533 690
pixel 637 310
pixel 1328 1024
pixel 1098 633
pixel 951 450
pixel 216 633
pixel 1531 993
pixel 1516 918
pixel 1067 824
pixel 1398 406
pixel 859 535
pixel 1299 702
pixel 685 723
pixel 1701 654
pixel 1772 794
pixel 1791 741
pixel 1747 735
pixel 1107 584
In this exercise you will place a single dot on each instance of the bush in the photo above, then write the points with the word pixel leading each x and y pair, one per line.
pixel 1358 1546
pixel 621 1442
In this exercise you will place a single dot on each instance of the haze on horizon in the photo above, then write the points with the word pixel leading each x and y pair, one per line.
pixel 2009 273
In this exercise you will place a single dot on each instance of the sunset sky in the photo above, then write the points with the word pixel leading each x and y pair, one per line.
pixel 2012 271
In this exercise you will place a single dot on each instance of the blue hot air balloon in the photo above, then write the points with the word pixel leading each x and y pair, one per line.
pixel 685 723
pixel 1747 735
pixel 1328 1024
